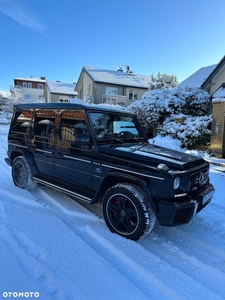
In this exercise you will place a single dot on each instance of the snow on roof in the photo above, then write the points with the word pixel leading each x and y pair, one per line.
pixel 57 87
pixel 118 77
pixel 198 77
pixel 30 79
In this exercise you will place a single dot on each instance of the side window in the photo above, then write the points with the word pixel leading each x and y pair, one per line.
pixel 44 129
pixel 22 121
pixel 73 130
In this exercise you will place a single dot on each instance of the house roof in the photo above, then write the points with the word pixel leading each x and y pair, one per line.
pixel 197 79
pixel 118 77
pixel 56 87
pixel 218 67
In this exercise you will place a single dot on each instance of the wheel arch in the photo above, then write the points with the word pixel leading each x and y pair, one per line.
pixel 29 158
pixel 114 178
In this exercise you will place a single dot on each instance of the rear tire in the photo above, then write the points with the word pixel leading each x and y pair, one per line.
pixel 127 212
pixel 21 174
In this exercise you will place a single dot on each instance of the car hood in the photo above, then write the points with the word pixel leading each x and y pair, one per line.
pixel 152 154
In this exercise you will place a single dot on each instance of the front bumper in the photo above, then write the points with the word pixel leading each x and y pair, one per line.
pixel 175 213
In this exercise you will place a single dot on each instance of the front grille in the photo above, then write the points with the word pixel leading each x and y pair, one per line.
pixel 199 179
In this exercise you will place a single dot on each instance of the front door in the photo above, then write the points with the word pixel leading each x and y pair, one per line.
pixel 73 155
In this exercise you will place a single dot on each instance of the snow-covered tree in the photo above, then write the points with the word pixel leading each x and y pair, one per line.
pixel 7 101
pixel 162 82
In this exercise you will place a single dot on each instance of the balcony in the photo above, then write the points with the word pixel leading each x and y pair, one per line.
pixel 15 89
pixel 114 99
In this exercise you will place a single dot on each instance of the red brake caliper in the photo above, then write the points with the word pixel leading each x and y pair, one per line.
pixel 116 203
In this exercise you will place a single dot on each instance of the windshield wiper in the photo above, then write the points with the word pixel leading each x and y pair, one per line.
pixel 107 137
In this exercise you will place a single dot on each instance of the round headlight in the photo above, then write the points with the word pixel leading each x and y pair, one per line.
pixel 176 183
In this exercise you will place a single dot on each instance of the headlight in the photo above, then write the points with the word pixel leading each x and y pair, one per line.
pixel 176 183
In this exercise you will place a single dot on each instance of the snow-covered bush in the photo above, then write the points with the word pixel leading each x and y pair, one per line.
pixel 196 101
pixel 165 106
pixel 194 130
pixel 148 112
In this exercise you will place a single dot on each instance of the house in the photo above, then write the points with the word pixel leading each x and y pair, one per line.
pixel 56 91
pixel 28 89
pixel 108 86
pixel 212 80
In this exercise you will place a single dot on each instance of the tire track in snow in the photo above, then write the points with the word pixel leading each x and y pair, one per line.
pixel 46 200
pixel 32 258
pixel 27 258
pixel 196 246
pixel 153 287
pixel 14 196
pixel 192 266
pixel 207 275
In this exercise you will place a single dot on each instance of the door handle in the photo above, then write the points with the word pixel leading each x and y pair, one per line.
pixel 59 155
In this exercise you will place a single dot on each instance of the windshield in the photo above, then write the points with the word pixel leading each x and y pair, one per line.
pixel 112 125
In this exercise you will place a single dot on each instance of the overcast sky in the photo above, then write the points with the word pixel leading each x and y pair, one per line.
pixel 56 39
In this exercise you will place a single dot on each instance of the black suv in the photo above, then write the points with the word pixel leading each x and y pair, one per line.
pixel 96 153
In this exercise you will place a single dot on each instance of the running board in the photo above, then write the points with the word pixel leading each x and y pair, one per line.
pixel 64 190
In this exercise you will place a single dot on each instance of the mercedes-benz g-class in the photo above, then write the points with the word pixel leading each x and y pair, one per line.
pixel 96 153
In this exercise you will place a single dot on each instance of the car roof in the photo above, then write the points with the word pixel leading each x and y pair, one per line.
pixel 66 105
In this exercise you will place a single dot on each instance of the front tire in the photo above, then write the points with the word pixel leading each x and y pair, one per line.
pixel 21 174
pixel 126 211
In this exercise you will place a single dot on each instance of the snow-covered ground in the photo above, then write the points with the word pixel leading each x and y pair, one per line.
pixel 52 247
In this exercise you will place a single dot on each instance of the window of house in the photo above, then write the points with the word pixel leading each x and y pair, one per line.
pixel 40 86
pixel 29 85
pixel 24 84
pixel 133 95
pixel 111 90
pixel 27 96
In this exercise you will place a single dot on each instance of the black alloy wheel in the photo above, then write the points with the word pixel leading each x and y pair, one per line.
pixel 21 174
pixel 126 212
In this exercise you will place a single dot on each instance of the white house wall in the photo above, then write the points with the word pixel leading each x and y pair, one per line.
pixel 87 86
pixel 35 94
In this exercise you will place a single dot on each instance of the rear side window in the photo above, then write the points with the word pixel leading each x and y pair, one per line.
pixel 44 129
pixel 22 121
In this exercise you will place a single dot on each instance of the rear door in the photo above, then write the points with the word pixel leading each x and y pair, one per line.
pixel 43 140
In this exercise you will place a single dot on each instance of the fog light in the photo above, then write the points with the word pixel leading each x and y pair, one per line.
pixel 176 183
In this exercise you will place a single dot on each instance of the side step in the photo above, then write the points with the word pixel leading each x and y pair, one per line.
pixel 62 189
